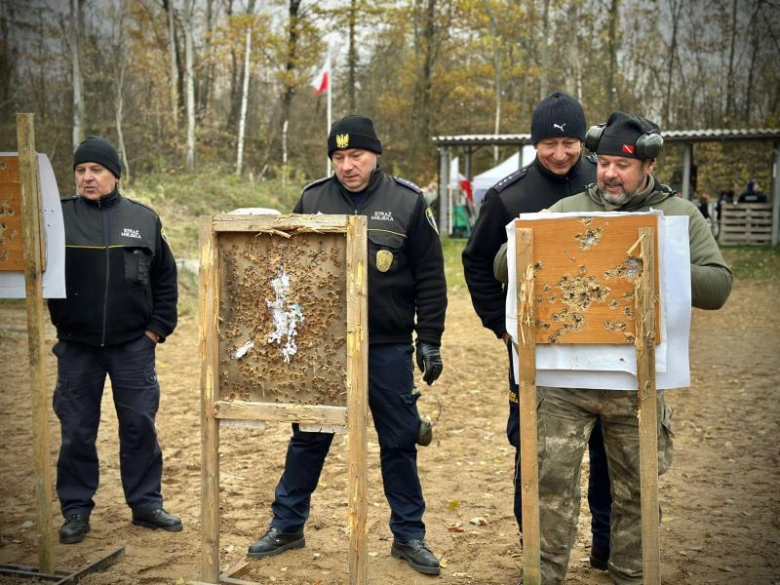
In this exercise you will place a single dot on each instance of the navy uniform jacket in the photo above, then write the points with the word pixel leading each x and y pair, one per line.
pixel 120 274
pixel 405 260
pixel 528 190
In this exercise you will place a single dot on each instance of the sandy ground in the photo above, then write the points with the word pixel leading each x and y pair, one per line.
pixel 720 499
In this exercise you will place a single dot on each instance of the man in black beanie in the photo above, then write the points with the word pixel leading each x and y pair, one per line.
pixel 559 170
pixel 407 294
pixel 121 302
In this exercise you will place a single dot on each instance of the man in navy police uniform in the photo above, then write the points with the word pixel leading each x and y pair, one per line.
pixel 559 170
pixel 121 302
pixel 407 293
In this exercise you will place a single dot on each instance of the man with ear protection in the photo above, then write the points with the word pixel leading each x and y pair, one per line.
pixel 626 148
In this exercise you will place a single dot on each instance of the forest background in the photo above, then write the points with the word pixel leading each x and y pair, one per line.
pixel 211 105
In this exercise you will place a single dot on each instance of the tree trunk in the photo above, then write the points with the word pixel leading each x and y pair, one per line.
pixel 613 43
pixel 352 57
pixel 174 70
pixel 288 90
pixel 730 83
pixel 120 60
pixel 421 114
pixel 496 71
pixel 244 101
pixel 675 8
pixel 78 78
pixel 545 50
pixel 190 83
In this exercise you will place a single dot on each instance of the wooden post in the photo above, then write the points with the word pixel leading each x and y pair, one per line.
pixel 209 382
pixel 357 396
pixel 33 279
pixel 529 462
pixel 648 418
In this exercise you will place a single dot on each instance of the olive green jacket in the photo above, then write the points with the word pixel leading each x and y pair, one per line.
pixel 711 278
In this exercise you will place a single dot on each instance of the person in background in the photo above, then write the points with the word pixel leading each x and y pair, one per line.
pixel 753 194
pixel 121 302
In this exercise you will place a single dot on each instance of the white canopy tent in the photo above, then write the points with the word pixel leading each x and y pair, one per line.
pixel 484 181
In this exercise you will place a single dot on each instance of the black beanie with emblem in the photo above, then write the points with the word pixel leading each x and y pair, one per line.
pixel 621 134
pixel 98 150
pixel 353 131
pixel 558 116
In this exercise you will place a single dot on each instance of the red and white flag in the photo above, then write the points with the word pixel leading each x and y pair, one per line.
pixel 321 82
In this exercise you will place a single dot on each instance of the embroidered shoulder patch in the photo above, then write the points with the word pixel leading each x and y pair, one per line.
pixel 431 219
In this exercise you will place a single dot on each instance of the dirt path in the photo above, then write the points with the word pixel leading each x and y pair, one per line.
pixel 721 499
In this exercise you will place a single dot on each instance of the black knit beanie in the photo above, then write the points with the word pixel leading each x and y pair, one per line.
pixel 353 131
pixel 621 134
pixel 558 115
pixel 98 150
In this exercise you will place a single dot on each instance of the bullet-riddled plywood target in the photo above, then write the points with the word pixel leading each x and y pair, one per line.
pixel 11 247
pixel 284 338
pixel 585 269
pixel 283 318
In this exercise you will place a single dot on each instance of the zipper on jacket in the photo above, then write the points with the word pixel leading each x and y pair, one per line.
pixel 104 213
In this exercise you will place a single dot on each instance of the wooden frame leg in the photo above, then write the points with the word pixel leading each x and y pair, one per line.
pixel 646 411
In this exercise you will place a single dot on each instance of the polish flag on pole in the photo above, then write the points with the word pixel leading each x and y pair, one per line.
pixel 321 82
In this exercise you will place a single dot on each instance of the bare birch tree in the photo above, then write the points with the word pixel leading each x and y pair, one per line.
pixel 189 51
pixel 496 71
pixel 76 31
pixel 174 71
pixel 120 68
pixel 244 102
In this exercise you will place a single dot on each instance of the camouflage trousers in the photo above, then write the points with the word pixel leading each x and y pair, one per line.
pixel 566 418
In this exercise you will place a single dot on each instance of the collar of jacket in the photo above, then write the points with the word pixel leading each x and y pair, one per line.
pixel 652 194
pixel 104 202
pixel 550 176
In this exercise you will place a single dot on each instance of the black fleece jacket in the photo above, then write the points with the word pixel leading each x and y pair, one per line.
pixel 528 190
pixel 405 260
pixel 120 274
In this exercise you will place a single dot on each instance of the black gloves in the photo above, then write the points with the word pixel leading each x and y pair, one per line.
pixel 429 361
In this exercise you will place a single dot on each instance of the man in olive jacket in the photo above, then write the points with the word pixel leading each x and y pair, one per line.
pixel 626 147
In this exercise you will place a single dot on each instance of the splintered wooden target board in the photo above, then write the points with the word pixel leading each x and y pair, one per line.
pixel 584 274
pixel 283 318
pixel 11 247
pixel 284 338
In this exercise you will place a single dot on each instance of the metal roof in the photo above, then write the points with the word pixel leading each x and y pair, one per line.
pixel 704 135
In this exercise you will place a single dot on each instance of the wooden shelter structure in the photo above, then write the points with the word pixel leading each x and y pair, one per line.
pixel 687 138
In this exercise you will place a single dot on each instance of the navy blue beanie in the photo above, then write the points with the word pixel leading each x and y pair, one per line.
pixel 98 150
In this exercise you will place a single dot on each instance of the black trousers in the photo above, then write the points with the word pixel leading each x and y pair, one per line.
pixel 393 404
pixel 81 376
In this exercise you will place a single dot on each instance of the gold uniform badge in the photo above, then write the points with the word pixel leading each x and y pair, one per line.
pixel 342 140
pixel 384 259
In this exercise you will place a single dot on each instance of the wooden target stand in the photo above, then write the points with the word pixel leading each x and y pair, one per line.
pixel 308 273
pixel 537 323
pixel 21 207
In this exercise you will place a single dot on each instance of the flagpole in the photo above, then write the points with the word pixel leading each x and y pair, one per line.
pixel 330 101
